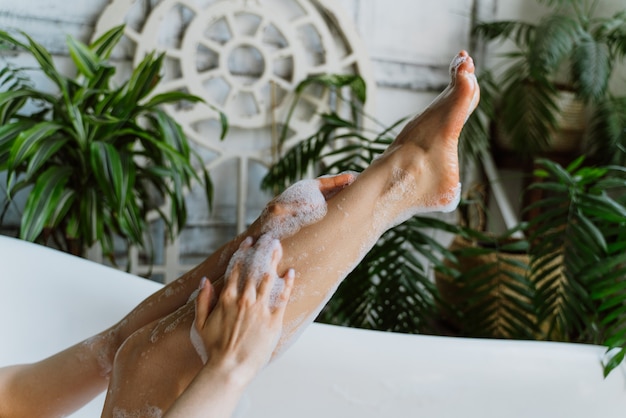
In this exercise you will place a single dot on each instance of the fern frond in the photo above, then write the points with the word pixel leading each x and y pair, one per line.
pixel 519 32
pixel 527 116
pixel 390 289
pixel 607 131
pixel 554 38
pixel 612 31
pixel 591 67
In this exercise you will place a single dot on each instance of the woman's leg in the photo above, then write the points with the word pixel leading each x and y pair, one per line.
pixel 418 173
pixel 67 380
pixel 287 208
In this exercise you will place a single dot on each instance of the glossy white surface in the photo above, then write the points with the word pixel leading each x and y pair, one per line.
pixel 49 300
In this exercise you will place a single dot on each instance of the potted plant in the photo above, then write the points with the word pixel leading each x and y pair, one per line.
pixel 566 281
pixel 94 158
pixel 558 74
pixel 486 289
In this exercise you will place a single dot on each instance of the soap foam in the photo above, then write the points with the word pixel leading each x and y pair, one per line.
pixel 456 63
pixel 100 347
pixel 301 204
pixel 197 343
pixel 145 412
pixel 255 262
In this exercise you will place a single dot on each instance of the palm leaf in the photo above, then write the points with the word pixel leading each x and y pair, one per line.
pixel 99 132
pixel 520 32
pixel 13 100
pixel 581 294
pixel 390 289
pixel 606 134
pixel 591 67
pixel 43 154
pixel 612 31
pixel 47 65
pixel 143 79
pixel 8 134
pixel 527 116
pixel 553 41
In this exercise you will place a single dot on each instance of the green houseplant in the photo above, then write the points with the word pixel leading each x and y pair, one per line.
pixel 94 158
pixel 581 221
pixel 567 280
pixel 568 55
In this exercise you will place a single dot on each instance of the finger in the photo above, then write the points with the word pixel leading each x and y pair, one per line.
pixel 269 273
pixel 246 243
pixel 203 302
pixel 242 254
pixel 249 286
pixel 289 281
pixel 265 286
pixel 213 298
pixel 277 255
pixel 331 185
pixel 231 289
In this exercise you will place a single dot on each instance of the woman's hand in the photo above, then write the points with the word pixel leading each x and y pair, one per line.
pixel 242 330
pixel 236 335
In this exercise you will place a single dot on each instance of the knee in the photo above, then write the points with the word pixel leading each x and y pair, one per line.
pixel 135 352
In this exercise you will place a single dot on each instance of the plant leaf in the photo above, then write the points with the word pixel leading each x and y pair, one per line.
pixel 27 142
pixel 591 68
pixel 554 39
pixel 85 59
pixel 43 201
pixel 103 46
pixel 106 165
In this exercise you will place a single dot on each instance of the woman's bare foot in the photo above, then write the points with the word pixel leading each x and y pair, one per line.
pixel 431 161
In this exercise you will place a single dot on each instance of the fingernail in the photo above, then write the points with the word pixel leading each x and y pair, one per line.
pixel 203 281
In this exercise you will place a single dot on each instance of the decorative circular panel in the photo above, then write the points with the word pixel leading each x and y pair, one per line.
pixel 242 57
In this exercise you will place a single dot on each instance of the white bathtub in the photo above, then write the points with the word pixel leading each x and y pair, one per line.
pixel 330 371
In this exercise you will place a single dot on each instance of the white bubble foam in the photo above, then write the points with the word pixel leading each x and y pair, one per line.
pixel 145 412
pixel 301 204
pixel 197 343
pixel 100 348
pixel 456 62
pixel 255 262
